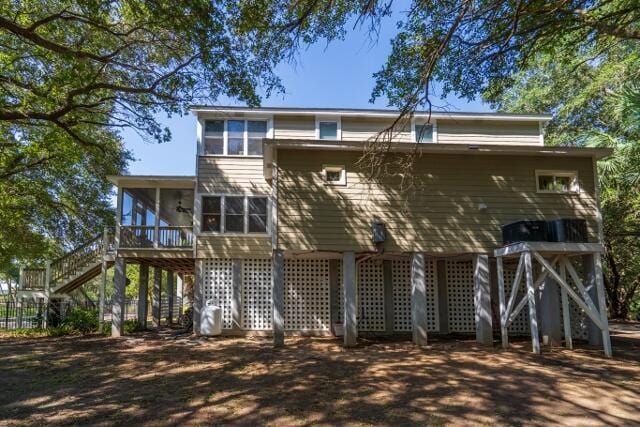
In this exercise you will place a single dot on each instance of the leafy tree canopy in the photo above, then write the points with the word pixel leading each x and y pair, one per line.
pixel 73 74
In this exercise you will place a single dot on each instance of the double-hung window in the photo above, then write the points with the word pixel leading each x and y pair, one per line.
pixel 235 214
pixel 234 137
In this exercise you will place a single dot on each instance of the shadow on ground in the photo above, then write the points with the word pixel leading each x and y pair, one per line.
pixel 147 379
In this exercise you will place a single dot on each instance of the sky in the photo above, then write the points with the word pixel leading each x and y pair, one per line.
pixel 337 75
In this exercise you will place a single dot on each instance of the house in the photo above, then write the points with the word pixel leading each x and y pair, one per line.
pixel 278 223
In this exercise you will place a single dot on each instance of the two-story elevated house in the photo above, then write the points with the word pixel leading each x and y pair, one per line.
pixel 286 229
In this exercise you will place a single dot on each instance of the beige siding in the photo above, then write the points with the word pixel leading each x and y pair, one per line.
pixel 441 215
pixel 233 246
pixel 488 132
pixel 231 175
pixel 294 127
pixel 362 129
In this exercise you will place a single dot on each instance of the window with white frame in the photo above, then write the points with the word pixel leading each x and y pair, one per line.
pixel 234 137
pixel 235 214
pixel 557 181
pixel 328 128
pixel 423 133
pixel 334 174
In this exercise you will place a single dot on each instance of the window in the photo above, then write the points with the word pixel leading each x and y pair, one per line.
pixel 242 137
pixel 234 214
pixel 424 133
pixel 211 214
pixel 557 181
pixel 214 137
pixel 328 128
pixel 235 138
pixel 257 131
pixel 257 214
pixel 334 175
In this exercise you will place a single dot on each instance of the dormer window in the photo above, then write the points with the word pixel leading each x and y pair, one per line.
pixel 234 137
pixel 328 128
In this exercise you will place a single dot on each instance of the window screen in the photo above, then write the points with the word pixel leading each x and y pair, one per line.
pixel 211 214
pixel 328 130
pixel 214 137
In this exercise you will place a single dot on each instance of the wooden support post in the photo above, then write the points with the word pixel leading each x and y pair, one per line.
pixel 566 313
pixel 334 295
pixel 550 313
pixel 482 300
pixel 118 308
pixel 531 297
pixel 350 290
pixel 236 294
pixel 277 289
pixel 387 273
pixel 170 291
pixel 198 299
pixel 419 319
pixel 594 334
pixel 503 306
pixel 143 295
pixel 156 297
pixel 443 299
pixel 102 291
pixel 47 292
pixel 602 303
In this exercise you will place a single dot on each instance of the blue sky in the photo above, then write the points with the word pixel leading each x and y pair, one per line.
pixel 335 75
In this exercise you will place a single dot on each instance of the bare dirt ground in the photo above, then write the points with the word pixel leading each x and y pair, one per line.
pixel 150 380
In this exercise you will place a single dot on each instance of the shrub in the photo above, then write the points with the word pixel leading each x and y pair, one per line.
pixel 130 326
pixel 81 319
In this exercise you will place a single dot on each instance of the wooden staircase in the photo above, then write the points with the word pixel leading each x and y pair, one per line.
pixel 69 272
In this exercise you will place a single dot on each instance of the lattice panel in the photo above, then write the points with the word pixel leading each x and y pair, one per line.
pixel 460 296
pixel 371 296
pixel 401 282
pixel 577 315
pixel 257 309
pixel 306 294
pixel 217 286
pixel 520 325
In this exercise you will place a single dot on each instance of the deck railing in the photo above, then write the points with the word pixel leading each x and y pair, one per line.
pixel 144 237
pixel 75 262
pixel 175 237
pixel 137 236
pixel 33 279
pixel 67 266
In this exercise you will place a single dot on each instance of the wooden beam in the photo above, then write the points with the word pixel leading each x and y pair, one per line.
pixel 531 296
pixel 503 308
pixel 594 316
pixel 515 287
pixel 566 314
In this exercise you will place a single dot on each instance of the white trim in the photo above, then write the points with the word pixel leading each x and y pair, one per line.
pixel 541 128
pixel 335 168
pixel 329 119
pixel 575 184
pixel 246 197
pixel 223 111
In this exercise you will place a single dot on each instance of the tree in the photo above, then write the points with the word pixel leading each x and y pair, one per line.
pixel 72 74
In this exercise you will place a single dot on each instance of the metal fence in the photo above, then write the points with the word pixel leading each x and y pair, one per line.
pixel 32 314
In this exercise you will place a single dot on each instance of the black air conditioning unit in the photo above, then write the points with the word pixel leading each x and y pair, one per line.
pixel 569 230
pixel 524 231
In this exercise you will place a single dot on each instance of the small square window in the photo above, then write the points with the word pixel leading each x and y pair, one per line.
pixel 334 175
pixel 328 130
pixel 557 182
pixel 424 133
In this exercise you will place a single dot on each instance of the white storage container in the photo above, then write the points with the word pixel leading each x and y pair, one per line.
pixel 211 319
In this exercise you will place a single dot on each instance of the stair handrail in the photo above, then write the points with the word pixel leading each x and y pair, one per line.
pixel 75 261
